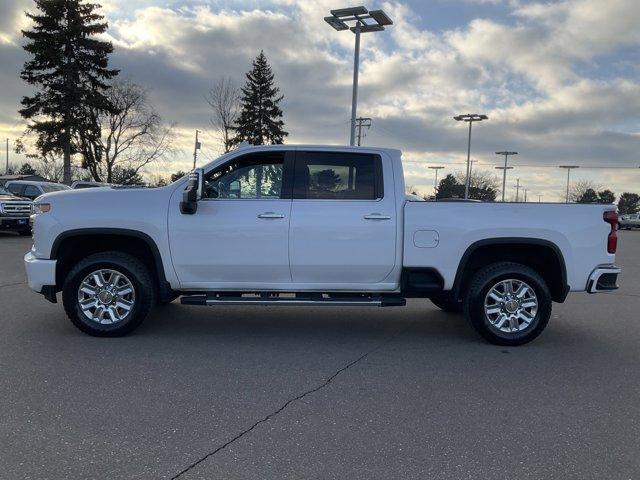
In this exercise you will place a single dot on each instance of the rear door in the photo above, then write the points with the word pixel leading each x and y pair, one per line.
pixel 343 219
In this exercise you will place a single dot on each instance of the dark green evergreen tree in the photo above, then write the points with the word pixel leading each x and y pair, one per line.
pixel 589 196
pixel 629 203
pixel 69 67
pixel 27 169
pixel 606 196
pixel 260 121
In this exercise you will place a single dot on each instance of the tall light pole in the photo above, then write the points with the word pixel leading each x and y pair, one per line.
pixel 568 167
pixel 504 169
pixel 363 21
pixel 469 118
pixel 517 190
pixel 525 194
pixel 435 182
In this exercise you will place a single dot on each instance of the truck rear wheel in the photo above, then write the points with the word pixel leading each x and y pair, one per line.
pixel 508 303
pixel 108 294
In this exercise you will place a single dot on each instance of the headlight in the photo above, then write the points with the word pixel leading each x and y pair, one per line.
pixel 41 208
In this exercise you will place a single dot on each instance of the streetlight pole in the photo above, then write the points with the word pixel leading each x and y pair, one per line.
pixel 504 169
pixel 517 190
pixel 568 168
pixel 469 118
pixel 435 182
pixel 354 93
pixel 525 194
pixel 363 21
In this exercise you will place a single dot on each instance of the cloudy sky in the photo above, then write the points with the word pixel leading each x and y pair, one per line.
pixel 560 80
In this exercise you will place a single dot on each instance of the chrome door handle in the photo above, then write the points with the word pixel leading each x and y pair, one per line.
pixel 270 215
pixel 377 216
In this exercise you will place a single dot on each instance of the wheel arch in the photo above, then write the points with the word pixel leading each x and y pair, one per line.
pixel 549 261
pixel 72 245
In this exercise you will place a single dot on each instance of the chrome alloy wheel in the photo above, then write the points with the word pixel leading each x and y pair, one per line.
pixel 511 305
pixel 106 296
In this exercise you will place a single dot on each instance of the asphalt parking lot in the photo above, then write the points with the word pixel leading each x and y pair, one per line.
pixel 319 393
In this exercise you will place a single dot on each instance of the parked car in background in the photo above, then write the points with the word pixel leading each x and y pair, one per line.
pixel 312 225
pixel 79 184
pixel 14 213
pixel 627 222
pixel 33 189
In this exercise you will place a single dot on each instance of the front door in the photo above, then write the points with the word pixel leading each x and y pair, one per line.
pixel 343 220
pixel 238 238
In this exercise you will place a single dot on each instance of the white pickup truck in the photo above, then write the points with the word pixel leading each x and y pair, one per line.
pixel 313 225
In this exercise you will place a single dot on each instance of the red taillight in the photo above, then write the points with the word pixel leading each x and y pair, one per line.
pixel 611 217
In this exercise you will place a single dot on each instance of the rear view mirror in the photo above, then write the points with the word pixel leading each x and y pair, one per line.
pixel 193 192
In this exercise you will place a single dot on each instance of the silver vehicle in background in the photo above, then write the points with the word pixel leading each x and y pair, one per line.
pixel 627 222
pixel 78 184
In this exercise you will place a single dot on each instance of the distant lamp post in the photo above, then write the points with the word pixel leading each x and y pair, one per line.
pixel 435 183
pixel 469 118
pixel 363 21
pixel 569 168
pixel 504 169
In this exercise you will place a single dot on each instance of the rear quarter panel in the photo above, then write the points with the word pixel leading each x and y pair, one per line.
pixel 577 230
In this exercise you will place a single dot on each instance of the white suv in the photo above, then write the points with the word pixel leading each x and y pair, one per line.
pixel 32 189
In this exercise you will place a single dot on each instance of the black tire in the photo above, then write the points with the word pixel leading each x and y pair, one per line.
pixel 484 280
pixel 133 269
pixel 447 303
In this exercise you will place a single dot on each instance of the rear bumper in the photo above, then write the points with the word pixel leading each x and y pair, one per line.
pixel 40 272
pixel 603 279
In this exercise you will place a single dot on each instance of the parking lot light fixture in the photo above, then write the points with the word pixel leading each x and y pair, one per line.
pixel 358 20
pixel 469 118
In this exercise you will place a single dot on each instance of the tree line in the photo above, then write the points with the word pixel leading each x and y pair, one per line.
pixel 82 109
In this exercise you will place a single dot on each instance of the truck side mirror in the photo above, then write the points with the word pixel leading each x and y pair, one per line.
pixel 193 192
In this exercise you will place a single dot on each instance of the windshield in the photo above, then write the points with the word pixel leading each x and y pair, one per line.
pixel 54 188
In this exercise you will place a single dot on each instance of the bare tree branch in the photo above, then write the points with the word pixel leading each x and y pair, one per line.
pixel 224 99
pixel 131 138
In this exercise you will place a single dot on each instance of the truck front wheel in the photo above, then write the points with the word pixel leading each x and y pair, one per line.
pixel 508 303
pixel 108 294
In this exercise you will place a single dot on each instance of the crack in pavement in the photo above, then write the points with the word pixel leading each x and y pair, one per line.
pixel 293 400
pixel 12 284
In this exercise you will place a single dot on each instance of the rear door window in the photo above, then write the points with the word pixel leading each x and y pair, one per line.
pixel 338 176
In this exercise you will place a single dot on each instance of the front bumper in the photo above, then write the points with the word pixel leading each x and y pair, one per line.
pixel 603 279
pixel 14 224
pixel 40 272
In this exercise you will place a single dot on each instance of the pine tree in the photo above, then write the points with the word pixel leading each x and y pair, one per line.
pixel 260 121
pixel 70 68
